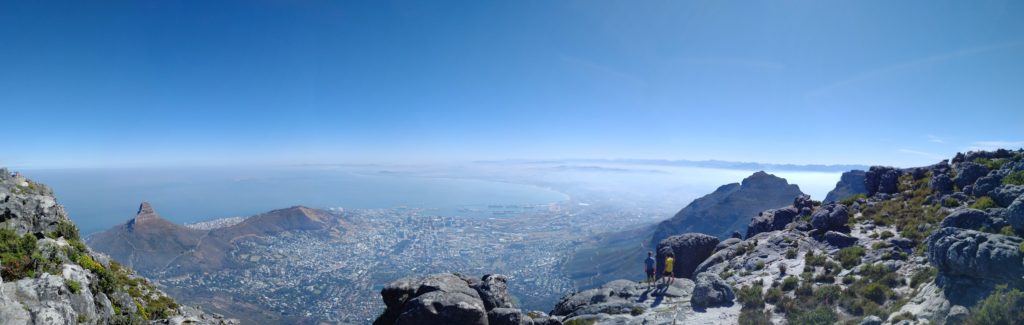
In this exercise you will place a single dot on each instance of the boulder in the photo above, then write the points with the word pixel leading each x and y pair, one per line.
pixel 440 307
pixel 965 218
pixel 727 243
pixel 689 249
pixel 1005 194
pixel 737 235
pixel 941 184
pixel 1014 214
pixel 711 290
pixel 771 219
pixel 493 290
pixel 977 255
pixel 985 185
pixel 967 173
pixel 957 315
pixel 850 183
pixel 871 320
pixel 832 216
pixel 839 239
pixel 507 316
pixel 880 179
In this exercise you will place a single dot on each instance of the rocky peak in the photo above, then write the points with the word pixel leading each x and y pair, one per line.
pixel 763 179
pixel 146 216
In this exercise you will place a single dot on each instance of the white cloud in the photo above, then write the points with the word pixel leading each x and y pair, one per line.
pixel 922 153
pixel 935 139
pixel 993 145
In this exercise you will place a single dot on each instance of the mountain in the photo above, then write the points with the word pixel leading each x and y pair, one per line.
pixel 850 183
pixel 729 208
pixel 153 245
pixel 917 250
pixel 50 277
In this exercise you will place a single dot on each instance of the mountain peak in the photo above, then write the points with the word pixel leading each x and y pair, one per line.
pixel 146 214
pixel 761 178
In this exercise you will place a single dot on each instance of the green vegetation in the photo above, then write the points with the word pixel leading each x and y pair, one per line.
pixel 850 256
pixel 773 295
pixel 814 260
pixel 853 198
pixel 16 255
pixel 790 283
pixel 759 265
pixel 752 311
pixel 73 285
pixel 754 317
pixel 886 234
pixel 1015 178
pixel 1007 231
pixel 581 322
pixel 822 315
pixel 983 203
pixel 992 164
pixel 912 217
pixel 637 311
pixel 950 202
pixel 1001 307
pixel 924 275
pixel 791 253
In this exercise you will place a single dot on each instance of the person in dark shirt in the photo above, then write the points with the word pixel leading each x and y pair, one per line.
pixel 649 268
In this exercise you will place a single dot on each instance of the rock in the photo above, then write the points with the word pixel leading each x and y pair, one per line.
pixel 967 173
pixel 28 207
pixel 690 250
pixel 493 290
pixel 880 179
pixel 977 255
pixel 985 185
pixel 941 184
pixel 771 219
pixel 711 290
pixel 904 243
pixel 1014 214
pixel 871 320
pixel 957 315
pixel 850 183
pixel 839 239
pixel 1005 194
pixel 727 243
pixel 832 216
pixel 441 307
pixel 737 235
pixel 928 303
pixel 965 218
pixel 507 316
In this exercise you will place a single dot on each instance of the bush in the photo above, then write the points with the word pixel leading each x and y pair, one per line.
pixel 1015 178
pixel 16 255
pixel 828 295
pixel 1001 307
pixel 806 289
pixel 950 202
pixel 853 198
pixel 791 253
pixel 790 283
pixel 850 256
pixel 983 203
pixel 904 316
pixel 876 292
pixel 822 315
pixel 73 285
pixel 1007 231
pixel 886 234
pixel 773 295
pixel 814 260
pixel 750 297
pixel 754 317
pixel 991 164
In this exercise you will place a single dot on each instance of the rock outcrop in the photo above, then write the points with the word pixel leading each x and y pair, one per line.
pixel 447 298
pixel 832 216
pixel 689 249
pixel 850 183
pixel 711 290
pixel 729 208
pixel 881 179
pixel 977 255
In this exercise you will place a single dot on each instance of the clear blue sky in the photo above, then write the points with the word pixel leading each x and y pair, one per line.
pixel 136 83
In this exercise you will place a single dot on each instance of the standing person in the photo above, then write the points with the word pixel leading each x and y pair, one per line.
pixel 670 262
pixel 649 269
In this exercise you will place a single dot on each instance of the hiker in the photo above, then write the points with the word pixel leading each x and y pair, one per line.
pixel 649 269
pixel 670 262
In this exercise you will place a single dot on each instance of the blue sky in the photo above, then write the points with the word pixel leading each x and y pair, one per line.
pixel 146 83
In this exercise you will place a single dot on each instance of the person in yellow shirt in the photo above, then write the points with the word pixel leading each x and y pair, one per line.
pixel 670 262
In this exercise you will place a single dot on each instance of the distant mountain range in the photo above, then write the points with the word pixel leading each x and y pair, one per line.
pixel 720 164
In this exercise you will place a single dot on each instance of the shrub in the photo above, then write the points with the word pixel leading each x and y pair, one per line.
pixel 759 265
pixel 782 269
pixel 850 256
pixel 876 292
pixel 637 311
pixel 991 164
pixel 73 285
pixel 791 253
pixel 828 295
pixel 904 316
pixel 16 255
pixel 950 202
pixel 805 289
pixel 754 317
pixel 1015 178
pixel 823 315
pixel 773 295
pixel 1007 231
pixel 983 203
pixel 790 283
pixel 750 297
pixel 1001 307
pixel 825 278
pixel 814 260
pixel 67 230
pixel 886 234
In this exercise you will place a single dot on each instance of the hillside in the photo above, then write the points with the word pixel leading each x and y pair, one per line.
pixel 50 277
pixel 942 244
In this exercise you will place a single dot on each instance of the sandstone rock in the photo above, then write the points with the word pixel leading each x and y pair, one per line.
pixel 967 173
pixel 507 316
pixel 880 179
pixel 1014 214
pixel 839 239
pixel 957 315
pixel 832 216
pixel 690 250
pixel 941 184
pixel 871 320
pixel 727 243
pixel 977 255
pixel 965 218
pixel 850 183
pixel 711 290
pixel 985 185
pixel 493 290
pixel 772 219
pixel 441 308
pixel 1005 194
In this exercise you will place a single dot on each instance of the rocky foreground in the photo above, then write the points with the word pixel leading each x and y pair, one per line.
pixel 48 276
pixel 940 244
